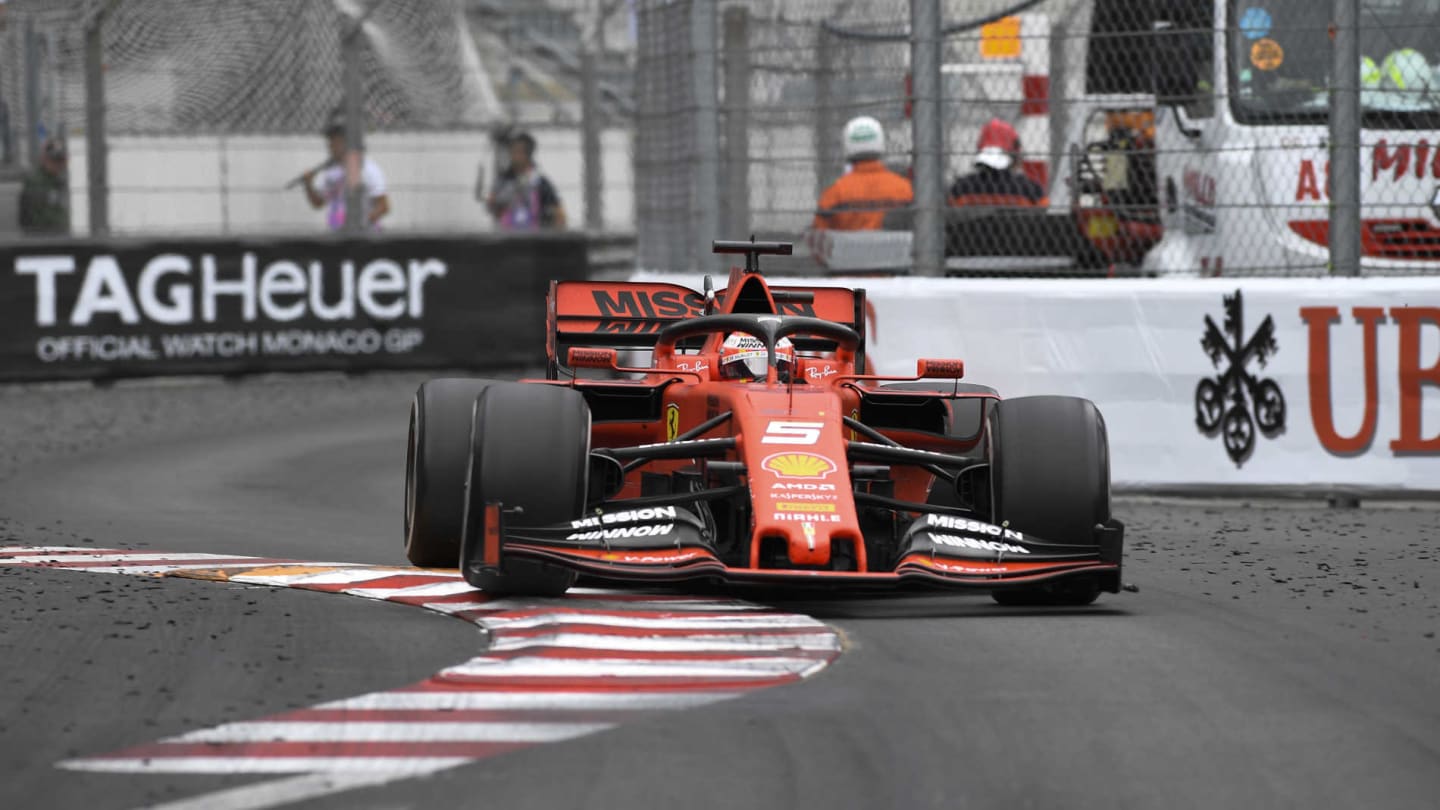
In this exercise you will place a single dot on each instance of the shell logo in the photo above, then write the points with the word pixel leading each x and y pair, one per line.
pixel 798 465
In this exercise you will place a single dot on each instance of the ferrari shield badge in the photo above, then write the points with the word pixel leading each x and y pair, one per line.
pixel 672 422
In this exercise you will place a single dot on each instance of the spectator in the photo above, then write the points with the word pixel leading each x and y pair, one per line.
pixel 331 191
pixel 859 199
pixel 523 199
pixel 45 194
pixel 995 181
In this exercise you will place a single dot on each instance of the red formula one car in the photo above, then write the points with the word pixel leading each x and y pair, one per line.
pixel 753 449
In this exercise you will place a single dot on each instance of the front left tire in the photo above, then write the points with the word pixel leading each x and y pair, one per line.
pixel 529 452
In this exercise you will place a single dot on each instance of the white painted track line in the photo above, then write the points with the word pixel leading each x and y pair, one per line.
pixel 560 701
pixel 391 767
pixel 696 623
pixel 438 730
pixel 727 643
pixel 533 667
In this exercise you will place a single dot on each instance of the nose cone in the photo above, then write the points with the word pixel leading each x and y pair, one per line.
pixel 799 481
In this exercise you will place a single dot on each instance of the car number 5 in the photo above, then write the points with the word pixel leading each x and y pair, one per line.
pixel 792 433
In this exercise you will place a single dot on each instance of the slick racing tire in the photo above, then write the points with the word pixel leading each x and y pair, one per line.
pixel 530 452
pixel 1050 477
pixel 435 464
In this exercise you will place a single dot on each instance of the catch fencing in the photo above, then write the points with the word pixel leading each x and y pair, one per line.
pixel 1176 137
pixel 1167 137
pixel 191 116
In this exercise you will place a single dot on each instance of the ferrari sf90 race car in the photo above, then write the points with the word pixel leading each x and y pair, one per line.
pixel 753 448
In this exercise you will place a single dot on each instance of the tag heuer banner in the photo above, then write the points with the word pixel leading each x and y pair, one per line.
pixel 112 309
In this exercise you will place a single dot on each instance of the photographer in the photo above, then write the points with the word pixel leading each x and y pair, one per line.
pixel 523 199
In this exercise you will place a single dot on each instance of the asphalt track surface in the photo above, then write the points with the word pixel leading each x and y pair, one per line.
pixel 1278 654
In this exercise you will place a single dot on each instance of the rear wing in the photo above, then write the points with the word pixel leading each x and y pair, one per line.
pixel 630 314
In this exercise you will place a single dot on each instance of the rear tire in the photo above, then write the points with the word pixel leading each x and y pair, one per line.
pixel 1050 477
pixel 529 451
pixel 435 465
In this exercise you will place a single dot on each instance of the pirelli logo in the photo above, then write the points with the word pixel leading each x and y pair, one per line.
pixel 786 506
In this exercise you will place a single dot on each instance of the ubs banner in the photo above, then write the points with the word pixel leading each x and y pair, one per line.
pixel 108 309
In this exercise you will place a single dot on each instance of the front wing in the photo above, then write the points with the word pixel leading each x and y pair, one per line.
pixel 670 543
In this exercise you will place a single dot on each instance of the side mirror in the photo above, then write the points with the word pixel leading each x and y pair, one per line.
pixel 936 369
pixel 709 295
pixel 1177 56
pixel 583 357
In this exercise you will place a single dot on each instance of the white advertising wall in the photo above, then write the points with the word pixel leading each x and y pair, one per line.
pixel 1139 349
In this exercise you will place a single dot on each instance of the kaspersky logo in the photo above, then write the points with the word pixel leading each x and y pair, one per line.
pixel 798 465
pixel 1234 402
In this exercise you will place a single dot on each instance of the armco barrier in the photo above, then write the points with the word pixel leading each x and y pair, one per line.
pixel 97 309
pixel 1219 384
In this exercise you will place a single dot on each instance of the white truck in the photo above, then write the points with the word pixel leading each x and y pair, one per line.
pixel 1242 157
pixel 1191 136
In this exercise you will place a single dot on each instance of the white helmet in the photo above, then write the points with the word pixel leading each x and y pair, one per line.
pixel 1405 69
pixel 863 136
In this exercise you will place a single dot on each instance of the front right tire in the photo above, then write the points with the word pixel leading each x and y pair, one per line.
pixel 1050 477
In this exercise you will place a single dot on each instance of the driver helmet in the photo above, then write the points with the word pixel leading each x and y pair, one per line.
pixel 742 357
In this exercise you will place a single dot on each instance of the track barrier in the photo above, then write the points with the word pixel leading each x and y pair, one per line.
pixel 105 309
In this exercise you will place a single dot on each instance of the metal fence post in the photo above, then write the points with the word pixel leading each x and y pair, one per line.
pixel 737 122
pixel 96 152
pixel 929 183
pixel 664 135
pixel 590 128
pixel 705 202
pixel 224 156
pixel 827 125
pixel 7 150
pixel 1345 140
pixel 32 94
pixel 354 127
